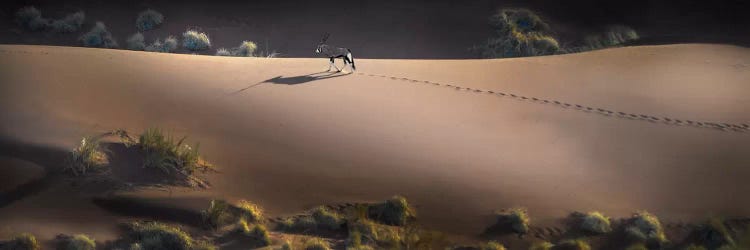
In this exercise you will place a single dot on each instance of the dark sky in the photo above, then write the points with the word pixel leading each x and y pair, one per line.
pixel 392 28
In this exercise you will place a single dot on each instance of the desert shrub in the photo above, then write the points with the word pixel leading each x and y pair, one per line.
pixel 70 23
pixel 395 211
pixel 250 211
pixel 577 244
pixel 286 246
pixel 30 18
pixel 148 19
pixel 316 244
pixel 217 214
pixel 88 157
pixel 99 37
pixel 75 242
pixel 714 234
pixel 541 245
pixel 492 245
pixel 517 219
pixel 246 49
pixel 194 40
pixel 646 227
pixel 136 42
pixel 365 234
pixel 637 246
pixel 258 234
pixel 519 32
pixel 164 152
pixel 223 52
pixel 21 242
pixel 596 222
pixel 613 36
pixel 154 235
pixel 691 247
pixel 320 218
pixel 169 45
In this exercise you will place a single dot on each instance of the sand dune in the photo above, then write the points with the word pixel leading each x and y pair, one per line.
pixel 290 138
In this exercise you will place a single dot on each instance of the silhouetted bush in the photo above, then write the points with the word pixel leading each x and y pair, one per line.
pixel 596 222
pixel 136 42
pixel 246 49
pixel 645 227
pixel 31 18
pixel 169 45
pixel 577 244
pixel 21 242
pixel 223 52
pixel 70 23
pixel 395 211
pixel 195 41
pixel 148 19
pixel 99 37
pixel 519 32
pixel 75 242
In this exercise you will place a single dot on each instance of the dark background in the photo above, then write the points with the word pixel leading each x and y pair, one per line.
pixel 389 28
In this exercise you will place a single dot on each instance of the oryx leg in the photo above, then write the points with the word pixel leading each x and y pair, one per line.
pixel 332 65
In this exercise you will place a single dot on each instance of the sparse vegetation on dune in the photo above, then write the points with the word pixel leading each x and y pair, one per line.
pixel 316 244
pixel 595 222
pixel 70 23
pixel 541 245
pixel 99 37
pixel 577 244
pixel 167 46
pixel 714 234
pixel 251 212
pixel 170 155
pixel 223 52
pixel 320 218
pixel 87 157
pixel 155 235
pixel 515 220
pixel 136 42
pixel 395 211
pixel 246 49
pixel 195 41
pixel 75 242
pixel 637 246
pixel 645 227
pixel 21 242
pixel 520 32
pixel 148 19
pixel 217 214
pixel 492 245
pixel 30 18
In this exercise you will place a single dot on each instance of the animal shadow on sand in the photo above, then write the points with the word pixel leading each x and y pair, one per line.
pixel 294 80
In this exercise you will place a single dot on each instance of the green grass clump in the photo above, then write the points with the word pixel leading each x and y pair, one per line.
pixel 195 41
pixel 136 42
pixel 88 157
pixel 154 235
pixel 596 222
pixel 259 235
pixel 172 156
pixel 320 218
pixel 21 242
pixel 250 211
pixel 70 23
pixel 98 37
pixel 364 234
pixel 646 227
pixel 492 245
pixel 76 242
pixel 246 49
pixel 217 214
pixel 30 18
pixel 148 19
pixel 577 244
pixel 169 45
pixel 517 218
pixel 541 245
pixel 316 244
pixel 395 211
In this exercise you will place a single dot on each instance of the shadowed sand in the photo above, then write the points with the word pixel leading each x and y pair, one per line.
pixel 290 138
